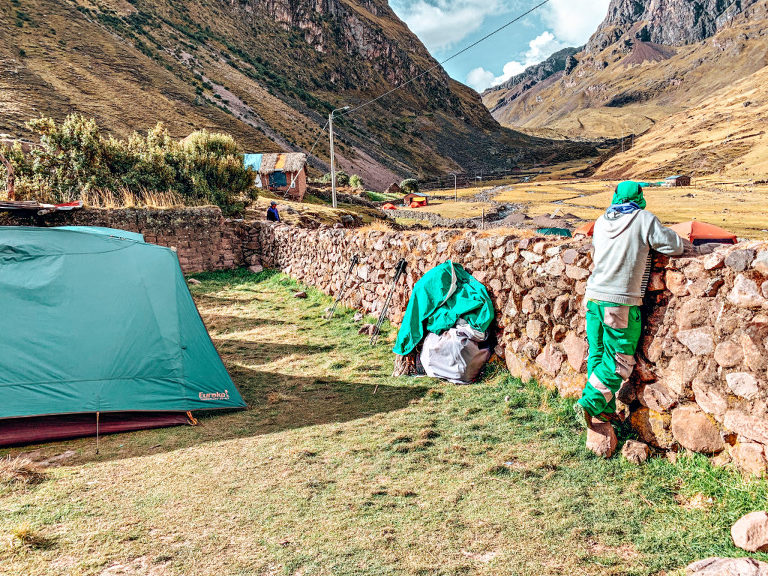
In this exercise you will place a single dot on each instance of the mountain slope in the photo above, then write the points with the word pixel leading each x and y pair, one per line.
pixel 726 134
pixel 647 61
pixel 269 72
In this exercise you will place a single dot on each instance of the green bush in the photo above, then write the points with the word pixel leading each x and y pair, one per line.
pixel 409 185
pixel 74 161
pixel 355 181
pixel 342 178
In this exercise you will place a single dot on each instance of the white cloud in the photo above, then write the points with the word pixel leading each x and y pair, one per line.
pixel 540 48
pixel 574 21
pixel 441 24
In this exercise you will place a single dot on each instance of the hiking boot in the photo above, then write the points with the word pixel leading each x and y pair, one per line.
pixel 582 416
pixel 613 417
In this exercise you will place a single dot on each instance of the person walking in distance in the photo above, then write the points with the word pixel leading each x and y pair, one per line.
pixel 623 239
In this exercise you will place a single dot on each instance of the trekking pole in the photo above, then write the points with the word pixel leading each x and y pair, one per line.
pixel 377 329
pixel 343 289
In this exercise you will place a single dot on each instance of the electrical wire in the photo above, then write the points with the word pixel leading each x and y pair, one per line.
pixel 439 64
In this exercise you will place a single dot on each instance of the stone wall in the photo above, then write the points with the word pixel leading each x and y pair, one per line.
pixel 203 239
pixel 700 381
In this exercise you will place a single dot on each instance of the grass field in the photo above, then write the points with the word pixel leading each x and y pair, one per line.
pixel 322 476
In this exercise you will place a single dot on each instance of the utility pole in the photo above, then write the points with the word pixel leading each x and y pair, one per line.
pixel 333 162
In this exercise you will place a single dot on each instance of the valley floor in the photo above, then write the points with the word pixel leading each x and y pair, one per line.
pixel 323 476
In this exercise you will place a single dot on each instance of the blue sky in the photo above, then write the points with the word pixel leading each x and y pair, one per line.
pixel 446 26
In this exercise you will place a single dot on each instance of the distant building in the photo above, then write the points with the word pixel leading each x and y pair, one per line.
pixel 393 189
pixel 415 198
pixel 284 173
pixel 678 180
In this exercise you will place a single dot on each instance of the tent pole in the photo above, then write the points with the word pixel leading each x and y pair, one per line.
pixel 97 432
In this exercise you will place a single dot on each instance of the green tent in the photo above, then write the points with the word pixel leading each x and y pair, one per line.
pixel 98 321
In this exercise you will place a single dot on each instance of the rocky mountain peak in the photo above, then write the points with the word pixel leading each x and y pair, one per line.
pixel 667 22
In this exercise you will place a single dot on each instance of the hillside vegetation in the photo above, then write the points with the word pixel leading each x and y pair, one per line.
pixel 266 73
pixel 635 73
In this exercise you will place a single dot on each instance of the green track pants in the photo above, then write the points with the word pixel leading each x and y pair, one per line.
pixel 613 332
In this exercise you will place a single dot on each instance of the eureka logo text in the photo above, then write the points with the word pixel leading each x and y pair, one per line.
pixel 214 395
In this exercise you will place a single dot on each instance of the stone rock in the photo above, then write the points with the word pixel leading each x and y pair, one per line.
pixel 710 399
pixel 727 567
pixel 194 281
pixel 679 374
pixel 764 289
pixel 256 268
pixel 652 427
pixel 656 282
pixel 692 314
pixel 745 293
pixel 570 256
pixel 635 452
pixel 534 329
pixel 697 340
pixel 576 272
pixel 748 426
pixel 740 260
pixel 576 349
pixel 750 458
pixel 560 306
pixel 676 282
pixel 761 263
pixel 367 329
pixel 657 397
pixel 754 354
pixel 300 295
pixel 750 532
pixel 514 363
pixel 554 267
pixel 728 354
pixel 570 385
pixel 694 430
pixel 713 261
pixel 742 384
pixel 601 439
pixel 550 360
pixel 358 317
pixel 531 257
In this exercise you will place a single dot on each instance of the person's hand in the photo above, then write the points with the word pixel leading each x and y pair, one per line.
pixel 689 249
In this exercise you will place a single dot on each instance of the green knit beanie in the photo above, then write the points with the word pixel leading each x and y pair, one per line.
pixel 629 191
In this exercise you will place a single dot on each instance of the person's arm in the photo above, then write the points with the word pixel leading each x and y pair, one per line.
pixel 664 240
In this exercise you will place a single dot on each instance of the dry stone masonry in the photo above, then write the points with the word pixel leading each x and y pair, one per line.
pixel 700 380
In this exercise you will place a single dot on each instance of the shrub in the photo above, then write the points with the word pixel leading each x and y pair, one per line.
pixel 74 161
pixel 355 181
pixel 409 185
pixel 342 178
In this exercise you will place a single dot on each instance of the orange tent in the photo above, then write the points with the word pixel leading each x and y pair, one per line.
pixel 703 233
pixel 389 206
pixel 415 204
pixel 587 229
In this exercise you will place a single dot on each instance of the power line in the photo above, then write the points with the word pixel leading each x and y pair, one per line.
pixel 439 64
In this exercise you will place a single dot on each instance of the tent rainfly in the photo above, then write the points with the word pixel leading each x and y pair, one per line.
pixel 286 173
pixel 99 329
pixel 699 233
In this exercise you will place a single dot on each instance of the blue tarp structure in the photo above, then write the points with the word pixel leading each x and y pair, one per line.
pixel 252 161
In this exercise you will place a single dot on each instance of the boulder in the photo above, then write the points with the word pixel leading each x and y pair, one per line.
pixel 696 431
pixel 576 349
pixel 750 427
pixel 742 384
pixel 750 458
pixel 750 532
pixel 739 260
pixel 635 452
pixel 697 340
pixel 653 427
pixel 676 282
pixel 745 293
pixel 727 567
pixel 657 397
pixel 601 438
pixel 550 360
pixel 300 295
pixel 576 272
pixel 761 263
pixel 710 398
pixel 728 354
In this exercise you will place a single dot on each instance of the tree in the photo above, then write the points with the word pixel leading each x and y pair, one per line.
pixel 409 185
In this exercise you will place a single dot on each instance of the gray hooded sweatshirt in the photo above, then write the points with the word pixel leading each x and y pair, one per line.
pixel 622 244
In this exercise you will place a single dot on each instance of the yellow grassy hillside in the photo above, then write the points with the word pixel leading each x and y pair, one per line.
pixel 725 135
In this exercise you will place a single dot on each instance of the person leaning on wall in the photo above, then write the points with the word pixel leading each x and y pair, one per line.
pixel 623 239
pixel 272 214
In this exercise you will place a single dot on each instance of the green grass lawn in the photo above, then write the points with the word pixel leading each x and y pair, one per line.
pixel 320 476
